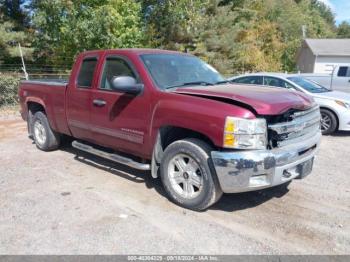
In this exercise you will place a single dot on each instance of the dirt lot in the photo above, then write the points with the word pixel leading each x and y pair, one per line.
pixel 65 202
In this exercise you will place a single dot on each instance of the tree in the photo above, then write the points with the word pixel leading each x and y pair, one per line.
pixel 13 32
pixel 343 30
pixel 9 40
pixel 13 11
pixel 173 24
pixel 235 39
pixel 65 27
pixel 324 11
pixel 261 35
pixel 291 16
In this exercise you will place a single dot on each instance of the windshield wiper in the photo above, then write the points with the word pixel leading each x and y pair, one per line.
pixel 200 83
pixel 194 83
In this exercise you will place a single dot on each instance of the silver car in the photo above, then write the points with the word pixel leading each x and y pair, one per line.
pixel 334 105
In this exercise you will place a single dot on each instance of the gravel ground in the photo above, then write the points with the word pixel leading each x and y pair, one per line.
pixel 66 202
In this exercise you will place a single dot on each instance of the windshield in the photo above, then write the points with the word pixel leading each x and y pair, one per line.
pixel 175 70
pixel 308 85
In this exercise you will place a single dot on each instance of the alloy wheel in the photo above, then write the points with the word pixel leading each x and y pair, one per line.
pixel 326 122
pixel 39 132
pixel 185 176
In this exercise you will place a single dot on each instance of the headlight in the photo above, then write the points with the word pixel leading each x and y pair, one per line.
pixel 343 104
pixel 243 133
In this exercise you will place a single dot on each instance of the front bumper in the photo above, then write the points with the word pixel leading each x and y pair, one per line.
pixel 344 119
pixel 241 171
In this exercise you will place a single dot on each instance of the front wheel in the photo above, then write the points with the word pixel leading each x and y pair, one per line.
pixel 188 176
pixel 328 122
pixel 44 137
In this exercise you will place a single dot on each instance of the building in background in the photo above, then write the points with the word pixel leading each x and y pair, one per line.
pixel 322 55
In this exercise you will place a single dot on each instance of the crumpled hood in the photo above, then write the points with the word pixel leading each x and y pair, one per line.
pixel 264 100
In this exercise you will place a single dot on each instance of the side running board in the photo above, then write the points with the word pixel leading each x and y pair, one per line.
pixel 113 157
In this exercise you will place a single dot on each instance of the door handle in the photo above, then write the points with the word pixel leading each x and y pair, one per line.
pixel 99 102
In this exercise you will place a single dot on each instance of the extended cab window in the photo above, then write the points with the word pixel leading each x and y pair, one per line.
pixel 344 71
pixel 253 80
pixel 86 73
pixel 114 67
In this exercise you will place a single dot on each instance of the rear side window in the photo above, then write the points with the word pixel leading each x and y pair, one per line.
pixel 253 80
pixel 344 71
pixel 86 73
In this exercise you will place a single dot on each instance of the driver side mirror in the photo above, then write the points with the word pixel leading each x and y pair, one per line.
pixel 126 84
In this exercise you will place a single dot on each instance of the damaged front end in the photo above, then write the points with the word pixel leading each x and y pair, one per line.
pixel 293 140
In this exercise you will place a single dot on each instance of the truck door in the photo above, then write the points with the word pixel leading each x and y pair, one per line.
pixel 79 96
pixel 341 81
pixel 119 120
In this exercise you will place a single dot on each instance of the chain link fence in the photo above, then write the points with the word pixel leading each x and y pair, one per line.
pixel 9 89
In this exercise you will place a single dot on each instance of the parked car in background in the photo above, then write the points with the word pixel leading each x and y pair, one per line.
pixel 334 105
pixel 339 79
pixel 176 116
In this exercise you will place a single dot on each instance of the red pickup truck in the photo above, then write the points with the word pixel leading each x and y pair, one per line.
pixel 175 115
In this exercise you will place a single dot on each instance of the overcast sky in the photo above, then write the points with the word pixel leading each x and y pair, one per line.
pixel 341 9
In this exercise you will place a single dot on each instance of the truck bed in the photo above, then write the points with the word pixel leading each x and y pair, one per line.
pixel 51 93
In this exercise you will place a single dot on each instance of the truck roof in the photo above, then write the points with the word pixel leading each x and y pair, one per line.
pixel 137 51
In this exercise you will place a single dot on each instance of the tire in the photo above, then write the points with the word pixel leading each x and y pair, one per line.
pixel 188 175
pixel 329 122
pixel 30 124
pixel 44 137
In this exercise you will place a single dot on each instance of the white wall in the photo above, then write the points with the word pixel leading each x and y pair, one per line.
pixel 325 64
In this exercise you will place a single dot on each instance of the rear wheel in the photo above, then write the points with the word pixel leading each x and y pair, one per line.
pixel 328 122
pixel 45 138
pixel 187 174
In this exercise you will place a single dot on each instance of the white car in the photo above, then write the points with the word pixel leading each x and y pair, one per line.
pixel 334 105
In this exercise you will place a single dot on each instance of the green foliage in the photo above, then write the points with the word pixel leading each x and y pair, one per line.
pixel 343 30
pixel 12 32
pixel 9 39
pixel 291 16
pixel 237 35
pixel 65 28
pixel 234 39
pixel 11 9
pixel 173 24
pixel 8 89
pixel 242 35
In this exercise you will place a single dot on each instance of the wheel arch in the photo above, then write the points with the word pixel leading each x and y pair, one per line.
pixel 169 134
pixel 333 112
pixel 33 106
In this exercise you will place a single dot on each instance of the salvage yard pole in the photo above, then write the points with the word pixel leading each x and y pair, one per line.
pixel 24 66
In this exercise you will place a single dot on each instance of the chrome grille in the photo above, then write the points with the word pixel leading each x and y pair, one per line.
pixel 304 124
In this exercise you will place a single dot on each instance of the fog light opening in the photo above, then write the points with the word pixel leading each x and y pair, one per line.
pixel 259 180
pixel 286 174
